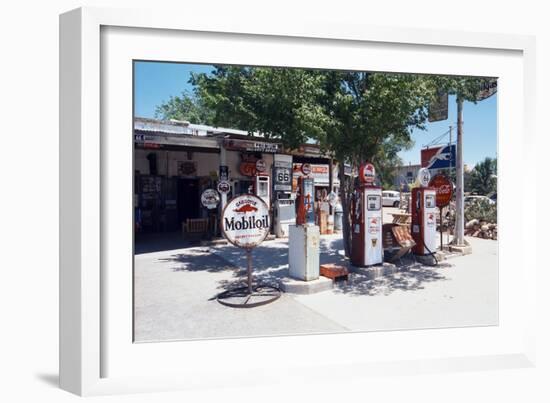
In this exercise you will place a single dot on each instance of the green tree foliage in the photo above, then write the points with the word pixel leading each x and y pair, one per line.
pixel 353 116
pixel 483 177
pixel 185 107
pixel 481 210
pixel 280 103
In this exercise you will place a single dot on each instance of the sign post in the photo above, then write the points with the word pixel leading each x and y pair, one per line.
pixel 245 223
pixel 443 195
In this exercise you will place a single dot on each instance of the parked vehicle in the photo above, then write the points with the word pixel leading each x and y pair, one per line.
pixel 390 198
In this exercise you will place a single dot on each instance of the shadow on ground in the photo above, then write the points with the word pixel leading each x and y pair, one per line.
pixel 270 265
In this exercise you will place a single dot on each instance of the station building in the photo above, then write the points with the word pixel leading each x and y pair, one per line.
pixel 174 162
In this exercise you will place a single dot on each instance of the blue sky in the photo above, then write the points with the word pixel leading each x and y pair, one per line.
pixel 156 82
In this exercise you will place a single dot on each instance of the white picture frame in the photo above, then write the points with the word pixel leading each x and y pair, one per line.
pixel 94 343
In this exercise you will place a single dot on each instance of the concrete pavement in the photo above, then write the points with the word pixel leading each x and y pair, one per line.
pixel 174 293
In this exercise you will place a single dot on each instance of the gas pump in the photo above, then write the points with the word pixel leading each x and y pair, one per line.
pixel 261 188
pixel 303 238
pixel 366 234
pixel 305 213
pixel 423 219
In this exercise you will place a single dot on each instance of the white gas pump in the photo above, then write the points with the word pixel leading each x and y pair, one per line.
pixel 367 220
pixel 261 187
pixel 284 215
pixel 423 217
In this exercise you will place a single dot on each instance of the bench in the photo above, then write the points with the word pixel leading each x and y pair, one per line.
pixel 195 227
pixel 398 238
pixel 401 218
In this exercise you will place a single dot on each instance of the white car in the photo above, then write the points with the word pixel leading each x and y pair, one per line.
pixel 390 198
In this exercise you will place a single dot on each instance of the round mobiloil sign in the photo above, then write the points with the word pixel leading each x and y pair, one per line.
pixel 367 173
pixel 245 221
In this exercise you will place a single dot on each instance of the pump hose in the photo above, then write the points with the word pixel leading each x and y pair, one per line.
pixel 432 254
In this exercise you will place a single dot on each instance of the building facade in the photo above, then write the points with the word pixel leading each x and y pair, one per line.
pixel 174 162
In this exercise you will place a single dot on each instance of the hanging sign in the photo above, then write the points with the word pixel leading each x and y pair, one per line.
pixel 439 108
pixel 210 199
pixel 367 173
pixel 224 187
pixel 245 221
pixel 224 172
pixel 261 166
pixel 443 189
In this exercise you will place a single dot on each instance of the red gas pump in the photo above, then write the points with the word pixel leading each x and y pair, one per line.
pixel 367 220
pixel 423 220
pixel 305 213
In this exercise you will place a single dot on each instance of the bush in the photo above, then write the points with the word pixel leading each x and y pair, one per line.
pixel 481 210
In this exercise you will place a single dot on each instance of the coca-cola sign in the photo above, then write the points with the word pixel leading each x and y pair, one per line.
pixel 443 189
pixel 245 221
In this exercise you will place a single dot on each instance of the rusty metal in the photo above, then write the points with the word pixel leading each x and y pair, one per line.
pixel 245 297
pixel 249 296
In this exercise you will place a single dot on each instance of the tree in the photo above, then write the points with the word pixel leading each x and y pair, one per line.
pixel 483 177
pixel 353 116
pixel 185 107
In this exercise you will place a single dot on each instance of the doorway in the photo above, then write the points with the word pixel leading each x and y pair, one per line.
pixel 188 199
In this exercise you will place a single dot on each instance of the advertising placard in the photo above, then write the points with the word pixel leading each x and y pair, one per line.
pixel 282 178
pixel 245 221
pixel 210 199
pixel 443 190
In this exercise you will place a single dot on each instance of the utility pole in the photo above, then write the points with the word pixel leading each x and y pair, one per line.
pixel 459 222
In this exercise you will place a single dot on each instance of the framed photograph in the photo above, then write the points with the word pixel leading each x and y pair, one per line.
pixel 239 200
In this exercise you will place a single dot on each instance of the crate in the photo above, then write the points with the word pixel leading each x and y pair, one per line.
pixel 334 272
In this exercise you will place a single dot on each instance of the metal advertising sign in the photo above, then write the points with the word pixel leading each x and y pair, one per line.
pixel 487 89
pixel 282 178
pixel 306 169
pixel 261 166
pixel 251 145
pixel 439 108
pixel 210 199
pixel 442 157
pixel 245 221
pixel 247 168
pixel 443 190
pixel 423 177
pixel 367 173
pixel 224 187
pixel 224 172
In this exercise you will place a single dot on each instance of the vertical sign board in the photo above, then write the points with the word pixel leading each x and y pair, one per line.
pixel 224 173
pixel 439 108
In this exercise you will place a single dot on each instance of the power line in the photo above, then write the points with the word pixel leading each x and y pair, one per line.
pixel 438 139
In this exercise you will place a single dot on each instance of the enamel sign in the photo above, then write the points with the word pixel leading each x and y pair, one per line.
pixel 367 173
pixel 245 221
pixel 210 199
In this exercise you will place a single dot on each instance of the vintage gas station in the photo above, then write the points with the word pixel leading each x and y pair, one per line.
pixel 256 226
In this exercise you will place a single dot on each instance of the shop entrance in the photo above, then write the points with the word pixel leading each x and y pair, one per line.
pixel 188 199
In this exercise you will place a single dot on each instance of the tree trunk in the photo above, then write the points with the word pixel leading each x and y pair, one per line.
pixel 345 199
